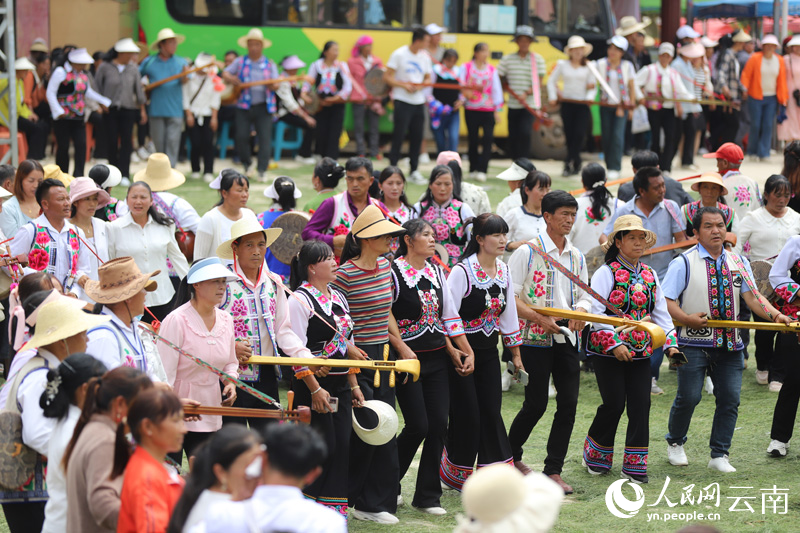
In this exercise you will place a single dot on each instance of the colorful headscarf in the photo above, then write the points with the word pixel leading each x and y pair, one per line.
pixel 362 41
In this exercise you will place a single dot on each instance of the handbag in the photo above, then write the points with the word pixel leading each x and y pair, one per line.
pixel 640 123
pixel 17 461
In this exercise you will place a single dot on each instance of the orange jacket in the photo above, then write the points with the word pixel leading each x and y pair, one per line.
pixel 751 79
pixel 149 494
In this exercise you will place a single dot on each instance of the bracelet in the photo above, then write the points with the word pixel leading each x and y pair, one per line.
pixel 316 391
pixel 356 387
pixel 777 317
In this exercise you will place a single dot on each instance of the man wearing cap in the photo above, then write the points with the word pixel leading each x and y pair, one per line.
pixel 256 104
pixel 523 72
pixel 34 128
pixel 409 65
pixel 660 81
pixel 51 243
pixel 166 101
pixel 291 112
pixel 743 193
pixel 515 176
pixel 705 282
pixel 633 30
pixel 121 289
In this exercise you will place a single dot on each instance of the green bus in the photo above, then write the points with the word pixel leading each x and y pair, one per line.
pixel 302 27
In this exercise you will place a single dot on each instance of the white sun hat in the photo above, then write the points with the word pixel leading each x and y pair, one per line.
pixel 384 430
pixel 80 56
pixel 207 269
pixel 126 46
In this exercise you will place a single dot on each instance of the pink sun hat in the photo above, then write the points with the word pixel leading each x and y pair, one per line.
pixel 81 188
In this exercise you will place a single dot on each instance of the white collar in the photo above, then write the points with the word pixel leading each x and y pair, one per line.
pixel 412 276
pixel 50 357
pixel 550 246
pixel 42 221
pixel 479 276
pixel 127 219
pixel 324 302
pixel 114 318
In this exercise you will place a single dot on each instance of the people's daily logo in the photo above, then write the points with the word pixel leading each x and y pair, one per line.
pixel 618 504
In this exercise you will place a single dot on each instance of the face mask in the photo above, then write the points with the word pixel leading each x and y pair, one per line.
pixel 138 318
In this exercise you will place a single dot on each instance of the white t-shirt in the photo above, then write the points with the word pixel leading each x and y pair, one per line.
pixel 201 507
pixel 55 511
pixel 412 68
pixel 770 68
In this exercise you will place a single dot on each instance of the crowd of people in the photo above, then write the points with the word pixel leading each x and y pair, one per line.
pixel 125 316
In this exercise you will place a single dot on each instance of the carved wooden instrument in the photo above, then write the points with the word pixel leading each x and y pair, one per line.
pixel 410 366
pixel 657 335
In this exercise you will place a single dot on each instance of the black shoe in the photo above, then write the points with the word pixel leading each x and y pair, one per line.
pixel 636 478
pixel 567 172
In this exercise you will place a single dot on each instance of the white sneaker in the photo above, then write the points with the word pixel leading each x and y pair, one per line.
pixel 150 146
pixel 143 153
pixel 424 158
pixel 505 381
pixel 400 500
pixel 709 386
pixel 208 177
pixel 135 158
pixel 418 178
pixel 195 175
pixel 445 486
pixel 690 167
pixel 721 464
pixel 480 176
pixel 613 174
pixel 676 455
pixel 762 377
pixel 436 511
pixel 777 448
pixel 125 182
pixel 551 391
pixel 305 160
pixel 381 518
pixel 775 386
pixel 655 390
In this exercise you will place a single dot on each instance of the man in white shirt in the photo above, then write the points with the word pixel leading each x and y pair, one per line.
pixel 51 243
pixel 292 460
pixel 407 67
pixel 545 348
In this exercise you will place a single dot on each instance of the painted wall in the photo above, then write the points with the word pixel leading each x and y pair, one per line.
pixel 32 21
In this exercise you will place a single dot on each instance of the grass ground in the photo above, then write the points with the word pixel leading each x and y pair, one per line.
pixel 586 511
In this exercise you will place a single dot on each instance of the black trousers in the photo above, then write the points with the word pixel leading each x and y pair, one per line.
pixel 480 135
pixel 786 407
pixel 329 129
pixel 520 126
pixel 25 517
pixel 773 350
pixel 66 130
pixel 663 119
pixel 258 117
pixel 691 125
pixel 142 130
pixel 374 470
pixel 119 123
pixel 408 119
pixel 202 139
pixel 191 440
pixel 36 135
pixel 476 424
pixel 330 488
pixel 308 132
pixel 723 126
pixel 563 362
pixel 620 384
pixel 576 119
pixel 425 405
pixel 268 384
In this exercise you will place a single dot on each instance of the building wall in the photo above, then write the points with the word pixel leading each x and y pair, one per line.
pixel 32 21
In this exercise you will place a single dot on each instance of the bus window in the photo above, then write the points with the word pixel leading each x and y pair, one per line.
pixel 335 12
pixel 395 14
pixel 470 14
pixel 244 12
pixel 568 17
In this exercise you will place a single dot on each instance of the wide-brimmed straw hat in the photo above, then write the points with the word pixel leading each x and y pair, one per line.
pixel 54 172
pixel 208 269
pixel 126 46
pixel 246 225
pixel 255 34
pixel 39 45
pixel 119 279
pixel 84 188
pixel 372 223
pixel 629 223
pixel 629 25
pixel 60 320
pixel 23 63
pixel 742 37
pixel 382 419
pixel 710 177
pixel 165 34
pixel 159 174
pixel 576 41
pixel 692 51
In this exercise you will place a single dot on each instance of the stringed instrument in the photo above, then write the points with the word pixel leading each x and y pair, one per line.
pixel 232 92
pixel 301 414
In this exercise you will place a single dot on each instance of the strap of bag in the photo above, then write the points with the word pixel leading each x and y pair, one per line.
pixel 750 283
pixel 535 87
pixel 36 363
pixel 197 93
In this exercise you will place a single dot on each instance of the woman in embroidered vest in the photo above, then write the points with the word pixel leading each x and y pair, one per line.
pixel 332 83
pixel 150 489
pixel 215 225
pixel 22 207
pixel 712 190
pixel 526 222
pixel 365 280
pixel 622 365
pixel 392 183
pixel 67 91
pixel 445 211
pixel 484 298
pixel 482 109
pixel 428 322
pixel 321 318
pixel 86 198
pixel 595 207
pixel 201 328
pixel 284 194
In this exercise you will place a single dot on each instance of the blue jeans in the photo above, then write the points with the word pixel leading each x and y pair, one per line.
pixel 655 362
pixel 446 134
pixel 762 118
pixel 613 130
pixel 725 369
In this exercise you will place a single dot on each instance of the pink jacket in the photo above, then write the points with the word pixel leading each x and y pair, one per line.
pixel 358 70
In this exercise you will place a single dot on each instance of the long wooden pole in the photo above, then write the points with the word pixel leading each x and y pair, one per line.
pixel 150 86
pixel 302 413
pixel 794 327
pixel 403 365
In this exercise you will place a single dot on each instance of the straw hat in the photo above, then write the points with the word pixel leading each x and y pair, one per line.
pixel 629 25
pixel 576 41
pixel 629 223
pixel 372 223
pixel 246 225
pixel 770 39
pixel 55 172
pixel 499 499
pixel 165 34
pixel 39 45
pixel 208 269
pixel 742 37
pixel 60 320
pixel 255 34
pixel 205 60
pixel 80 56
pixel 23 63
pixel 384 429
pixel 120 279
pixel 159 174
pixel 5 193
pixel 85 187
pixel 710 177
pixel 126 46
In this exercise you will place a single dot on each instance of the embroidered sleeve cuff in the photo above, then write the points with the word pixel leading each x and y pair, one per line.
pixel 301 371
pixel 787 292
pixel 354 371
pixel 512 339
pixel 672 340
pixel 454 327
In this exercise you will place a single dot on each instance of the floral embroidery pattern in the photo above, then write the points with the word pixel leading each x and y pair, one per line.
pixel 742 195
pixel 74 103
pixel 720 294
pixel 635 461
pixel 39 256
pixel 596 455
pixel 589 216
pixel 447 226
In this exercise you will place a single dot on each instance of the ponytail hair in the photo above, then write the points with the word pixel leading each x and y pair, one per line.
pixel 285 187
pixel 351 249
pixel 64 380
pixel 613 250
pixel 593 177
pixel 222 448
pixel 122 382
pixel 534 179
pixel 311 253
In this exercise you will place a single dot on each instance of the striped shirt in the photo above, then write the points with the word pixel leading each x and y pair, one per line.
pixel 517 71
pixel 369 294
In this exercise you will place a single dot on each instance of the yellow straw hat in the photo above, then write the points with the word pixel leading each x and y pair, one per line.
pixel 60 320
pixel 710 177
pixel 159 174
pixel 372 223
pixel 165 34
pixel 246 225
pixel 120 279
pixel 629 223
pixel 55 172
pixel 255 34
